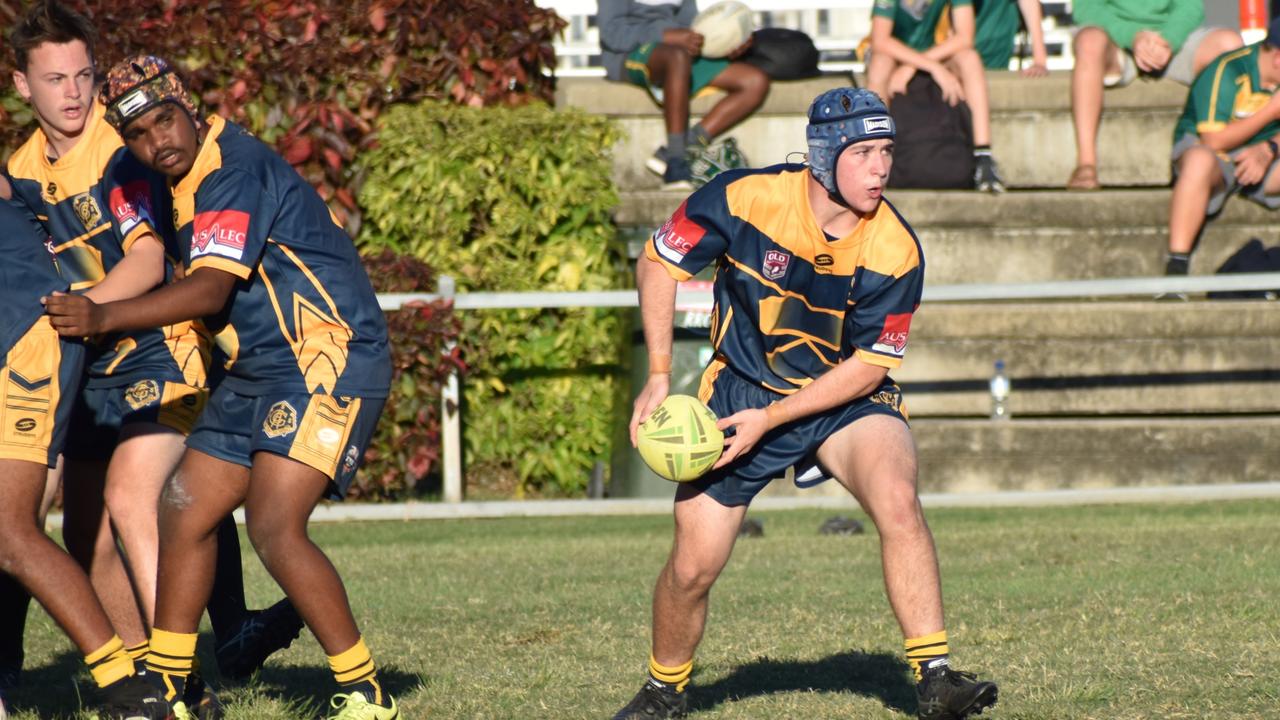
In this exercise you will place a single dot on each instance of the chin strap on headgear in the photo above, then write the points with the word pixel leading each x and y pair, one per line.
pixel 140 83
pixel 837 119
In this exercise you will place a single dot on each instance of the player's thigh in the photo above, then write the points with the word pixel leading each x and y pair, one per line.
pixel 705 532
pixel 874 457
pixel 20 493
pixel 736 76
pixel 200 493
pixel 1092 45
pixel 282 493
pixel 146 457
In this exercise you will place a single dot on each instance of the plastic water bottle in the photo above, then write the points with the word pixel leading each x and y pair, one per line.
pixel 999 393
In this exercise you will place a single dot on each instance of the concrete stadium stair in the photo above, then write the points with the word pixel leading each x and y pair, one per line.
pixel 1105 392
pixel 1032 134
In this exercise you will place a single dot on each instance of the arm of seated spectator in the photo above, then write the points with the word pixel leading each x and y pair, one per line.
pixel 963 29
pixel 883 41
pixel 1033 18
pixel 1226 137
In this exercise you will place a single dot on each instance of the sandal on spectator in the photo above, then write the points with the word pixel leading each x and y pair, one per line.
pixel 1084 177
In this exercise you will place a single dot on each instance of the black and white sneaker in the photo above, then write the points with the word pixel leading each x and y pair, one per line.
pixel 133 698
pixel 657 162
pixel 262 633
pixel 946 694
pixel 986 175
pixel 653 702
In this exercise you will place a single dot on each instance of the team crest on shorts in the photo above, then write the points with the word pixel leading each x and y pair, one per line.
pixel 281 420
pixel 892 398
pixel 349 461
pixel 142 394
pixel 775 264
pixel 87 210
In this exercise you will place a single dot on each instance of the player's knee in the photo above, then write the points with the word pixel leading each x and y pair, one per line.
pixel 1199 164
pixel 1090 44
pixel 897 508
pixel 176 496
pixel 689 576
pixel 754 81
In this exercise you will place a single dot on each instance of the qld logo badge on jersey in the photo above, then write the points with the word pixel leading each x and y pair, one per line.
pixel 219 232
pixel 775 264
pixel 678 236
pixel 893 339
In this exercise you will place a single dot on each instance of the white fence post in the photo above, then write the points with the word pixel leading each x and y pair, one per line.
pixel 450 416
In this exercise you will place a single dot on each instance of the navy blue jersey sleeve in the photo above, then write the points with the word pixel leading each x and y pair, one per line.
pixel 694 236
pixel 878 324
pixel 232 221
pixel 129 199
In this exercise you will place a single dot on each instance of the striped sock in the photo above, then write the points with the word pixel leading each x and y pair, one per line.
pixel 676 677
pixel 171 657
pixel 925 651
pixel 355 672
pixel 138 652
pixel 109 663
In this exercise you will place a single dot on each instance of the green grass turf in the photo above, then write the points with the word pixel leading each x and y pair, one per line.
pixel 1135 611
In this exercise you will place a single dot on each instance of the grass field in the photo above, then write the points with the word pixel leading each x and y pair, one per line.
pixel 1136 611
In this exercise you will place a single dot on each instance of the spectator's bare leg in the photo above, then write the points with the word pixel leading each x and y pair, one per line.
pixel 1213 45
pixel 747 86
pixel 1199 177
pixel 879 68
pixel 1095 57
pixel 967 65
pixel 670 68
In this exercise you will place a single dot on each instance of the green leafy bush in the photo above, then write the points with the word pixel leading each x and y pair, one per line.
pixel 406 446
pixel 311 76
pixel 513 199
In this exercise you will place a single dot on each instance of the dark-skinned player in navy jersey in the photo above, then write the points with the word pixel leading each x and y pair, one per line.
pixel 817 277
pixel 307 370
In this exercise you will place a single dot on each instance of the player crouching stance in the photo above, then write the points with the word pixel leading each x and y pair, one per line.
pixel 307 372
pixel 39 373
pixel 816 280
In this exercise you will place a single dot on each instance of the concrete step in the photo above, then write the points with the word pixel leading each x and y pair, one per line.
pixel 983 455
pixel 1032 134
pixel 1095 358
pixel 1032 236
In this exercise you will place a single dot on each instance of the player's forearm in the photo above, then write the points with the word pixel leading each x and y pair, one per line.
pixel 883 41
pixel 849 380
pixel 960 39
pixel 141 270
pixel 1033 17
pixel 201 294
pixel 1237 132
pixel 657 309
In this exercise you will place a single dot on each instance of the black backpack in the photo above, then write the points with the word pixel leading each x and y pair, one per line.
pixel 783 54
pixel 1252 258
pixel 934 146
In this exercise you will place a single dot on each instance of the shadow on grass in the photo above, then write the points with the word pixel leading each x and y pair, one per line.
pixel 58 689
pixel 310 687
pixel 879 675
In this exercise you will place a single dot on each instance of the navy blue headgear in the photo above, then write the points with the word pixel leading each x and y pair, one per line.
pixel 837 119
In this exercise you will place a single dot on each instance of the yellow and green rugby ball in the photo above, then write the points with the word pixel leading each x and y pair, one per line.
pixel 679 440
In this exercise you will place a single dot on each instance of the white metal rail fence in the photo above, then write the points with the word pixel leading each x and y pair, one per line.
pixel 450 408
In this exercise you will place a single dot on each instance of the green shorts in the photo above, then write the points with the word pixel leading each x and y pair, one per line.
pixel 703 72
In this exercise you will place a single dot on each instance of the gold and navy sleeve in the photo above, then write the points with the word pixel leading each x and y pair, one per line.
pixel 129 199
pixel 886 295
pixel 694 236
pixel 232 222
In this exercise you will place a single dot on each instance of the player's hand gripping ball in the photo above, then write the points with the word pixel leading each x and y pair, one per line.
pixel 679 440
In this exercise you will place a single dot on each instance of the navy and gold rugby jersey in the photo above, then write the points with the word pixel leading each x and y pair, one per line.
pixel 95 202
pixel 305 316
pixel 790 303
pixel 28 272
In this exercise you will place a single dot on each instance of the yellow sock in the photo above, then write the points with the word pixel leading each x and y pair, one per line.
pixel 354 670
pixel 925 649
pixel 172 656
pixel 138 652
pixel 677 677
pixel 109 663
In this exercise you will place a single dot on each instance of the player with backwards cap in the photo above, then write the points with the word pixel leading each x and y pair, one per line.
pixel 817 276
pixel 307 370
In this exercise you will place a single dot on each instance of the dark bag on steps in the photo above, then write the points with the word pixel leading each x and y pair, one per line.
pixel 1252 258
pixel 783 54
pixel 934 146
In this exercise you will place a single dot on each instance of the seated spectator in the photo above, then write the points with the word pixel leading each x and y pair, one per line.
pixel 1223 142
pixel 905 40
pixel 1121 39
pixel 998 29
pixel 649 43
